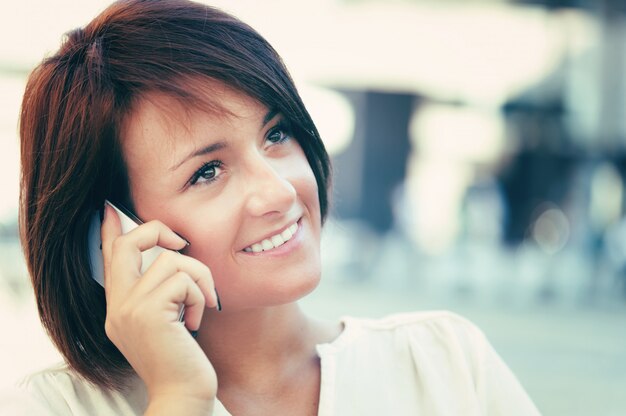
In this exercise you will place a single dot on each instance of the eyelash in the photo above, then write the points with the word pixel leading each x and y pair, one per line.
pixel 280 127
pixel 214 164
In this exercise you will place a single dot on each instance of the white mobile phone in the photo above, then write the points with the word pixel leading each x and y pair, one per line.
pixel 129 221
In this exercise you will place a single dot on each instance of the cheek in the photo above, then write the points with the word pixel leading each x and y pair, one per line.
pixel 307 189
pixel 296 168
pixel 212 245
pixel 210 238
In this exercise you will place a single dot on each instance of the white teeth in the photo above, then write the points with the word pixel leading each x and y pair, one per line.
pixel 278 240
pixel 274 241
pixel 287 234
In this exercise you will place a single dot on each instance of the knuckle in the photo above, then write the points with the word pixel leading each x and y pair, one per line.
pixel 118 243
pixel 168 256
pixel 182 277
pixel 139 312
pixel 200 265
pixel 175 281
pixel 205 276
pixel 155 224
pixel 201 299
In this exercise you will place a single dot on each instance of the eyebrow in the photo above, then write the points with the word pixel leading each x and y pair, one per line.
pixel 269 116
pixel 214 147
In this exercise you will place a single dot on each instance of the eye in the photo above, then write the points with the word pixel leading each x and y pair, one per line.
pixel 279 134
pixel 207 173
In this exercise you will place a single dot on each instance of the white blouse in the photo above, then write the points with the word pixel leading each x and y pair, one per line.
pixel 425 363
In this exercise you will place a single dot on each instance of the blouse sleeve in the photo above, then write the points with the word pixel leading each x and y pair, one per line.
pixel 498 390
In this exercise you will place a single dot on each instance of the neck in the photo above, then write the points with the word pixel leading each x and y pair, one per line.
pixel 248 348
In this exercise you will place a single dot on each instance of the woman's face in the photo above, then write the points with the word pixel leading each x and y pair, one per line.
pixel 229 183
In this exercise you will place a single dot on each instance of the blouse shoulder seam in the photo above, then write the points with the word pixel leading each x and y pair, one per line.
pixel 52 371
pixel 411 318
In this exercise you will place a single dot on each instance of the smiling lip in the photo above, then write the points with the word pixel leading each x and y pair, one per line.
pixel 280 240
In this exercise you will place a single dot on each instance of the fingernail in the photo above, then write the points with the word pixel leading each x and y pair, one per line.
pixel 183 238
pixel 219 304
pixel 194 334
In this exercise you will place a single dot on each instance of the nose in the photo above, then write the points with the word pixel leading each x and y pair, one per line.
pixel 268 188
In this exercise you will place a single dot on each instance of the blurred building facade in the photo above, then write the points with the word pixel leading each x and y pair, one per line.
pixel 553 182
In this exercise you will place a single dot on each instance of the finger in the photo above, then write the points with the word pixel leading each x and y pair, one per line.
pixel 180 289
pixel 168 264
pixel 125 256
pixel 154 233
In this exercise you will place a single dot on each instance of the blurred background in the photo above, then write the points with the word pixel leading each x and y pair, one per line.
pixel 480 165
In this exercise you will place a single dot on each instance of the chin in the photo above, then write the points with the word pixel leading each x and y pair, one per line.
pixel 290 293
pixel 271 294
pixel 307 287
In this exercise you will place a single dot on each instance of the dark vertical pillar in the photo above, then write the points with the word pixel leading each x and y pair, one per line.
pixel 375 163
pixel 542 170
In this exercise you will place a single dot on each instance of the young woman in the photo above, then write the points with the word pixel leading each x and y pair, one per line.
pixel 187 117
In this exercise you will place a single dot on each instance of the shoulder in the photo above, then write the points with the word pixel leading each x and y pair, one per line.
pixel 48 386
pixel 40 393
pixel 441 337
pixel 437 353
pixel 54 374
pixel 410 319
pixel 62 391
pixel 423 325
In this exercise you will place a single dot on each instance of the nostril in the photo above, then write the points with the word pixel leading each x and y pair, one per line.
pixel 271 197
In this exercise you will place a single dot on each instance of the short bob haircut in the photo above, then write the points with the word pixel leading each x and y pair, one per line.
pixel 73 110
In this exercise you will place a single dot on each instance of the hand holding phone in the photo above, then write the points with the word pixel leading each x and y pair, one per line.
pixel 143 304
pixel 129 222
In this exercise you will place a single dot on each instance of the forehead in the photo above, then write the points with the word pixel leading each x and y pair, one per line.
pixel 204 101
pixel 162 122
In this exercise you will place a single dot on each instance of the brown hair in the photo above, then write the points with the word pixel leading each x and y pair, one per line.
pixel 72 115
